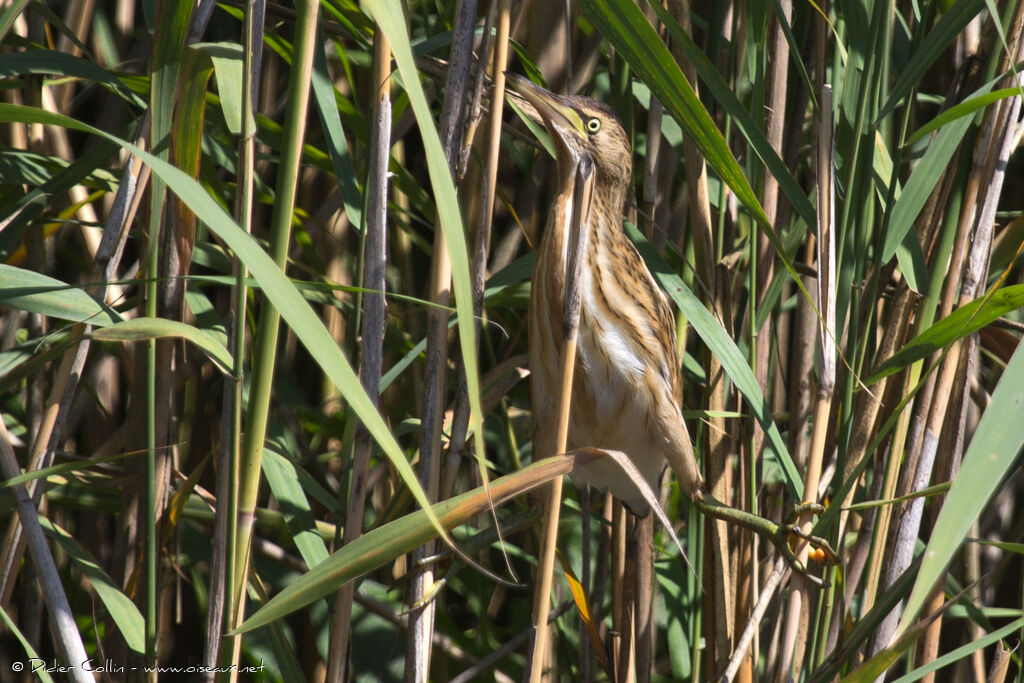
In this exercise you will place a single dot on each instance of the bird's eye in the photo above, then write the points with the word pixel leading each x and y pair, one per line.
pixel 593 125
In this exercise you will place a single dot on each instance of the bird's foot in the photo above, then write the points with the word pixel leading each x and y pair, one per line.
pixel 779 535
pixel 820 550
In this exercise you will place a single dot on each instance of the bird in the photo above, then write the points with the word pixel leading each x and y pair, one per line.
pixel 626 391
pixel 626 384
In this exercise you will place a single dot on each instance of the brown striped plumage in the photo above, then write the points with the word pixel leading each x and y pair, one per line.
pixel 626 388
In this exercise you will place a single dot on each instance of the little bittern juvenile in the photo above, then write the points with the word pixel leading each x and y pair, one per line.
pixel 626 390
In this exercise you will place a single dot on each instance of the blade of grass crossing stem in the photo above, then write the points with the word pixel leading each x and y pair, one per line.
pixel 389 17
pixel 224 575
pixel 393 539
pixel 919 185
pixel 145 329
pixel 38 293
pixel 725 96
pixel 281 292
pixel 965 320
pixel 966 108
pixel 961 652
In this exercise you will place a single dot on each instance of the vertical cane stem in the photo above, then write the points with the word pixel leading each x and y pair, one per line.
pixel 582 196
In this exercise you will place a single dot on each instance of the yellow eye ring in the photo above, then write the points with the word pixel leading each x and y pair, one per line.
pixel 593 125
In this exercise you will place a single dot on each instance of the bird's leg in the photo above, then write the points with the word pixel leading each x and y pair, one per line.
pixel 779 535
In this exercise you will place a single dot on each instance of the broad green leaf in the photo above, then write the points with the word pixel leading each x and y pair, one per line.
pixel 46 62
pixel 876 666
pixel 227 69
pixel 120 607
pixel 381 545
pixel 725 349
pixel 1002 545
pixel 913 264
pixel 672 581
pixel 284 482
pixel 37 293
pixel 626 27
pixel 989 456
pixel 628 30
pixel 139 329
pixel 965 320
pixel 920 184
pixel 965 108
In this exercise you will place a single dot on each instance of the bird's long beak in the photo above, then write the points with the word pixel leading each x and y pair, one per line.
pixel 552 110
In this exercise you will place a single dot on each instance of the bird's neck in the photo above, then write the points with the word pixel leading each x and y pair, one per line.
pixel 606 211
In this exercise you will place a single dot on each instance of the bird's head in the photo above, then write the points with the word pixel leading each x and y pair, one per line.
pixel 580 125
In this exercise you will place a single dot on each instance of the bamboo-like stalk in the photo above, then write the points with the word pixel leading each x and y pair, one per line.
pixel 172 24
pixel 762 272
pixel 374 322
pixel 489 187
pixel 640 552
pixel 579 236
pixel 775 106
pixel 265 344
pixel 740 658
pixel 798 607
pixel 717 612
pixel 224 572
pixel 484 218
pixel 620 642
pixel 931 229
pixel 948 380
pixel 1007 123
pixel 916 472
pixel 421 619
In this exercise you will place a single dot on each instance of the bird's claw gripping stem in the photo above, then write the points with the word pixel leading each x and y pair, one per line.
pixel 779 535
